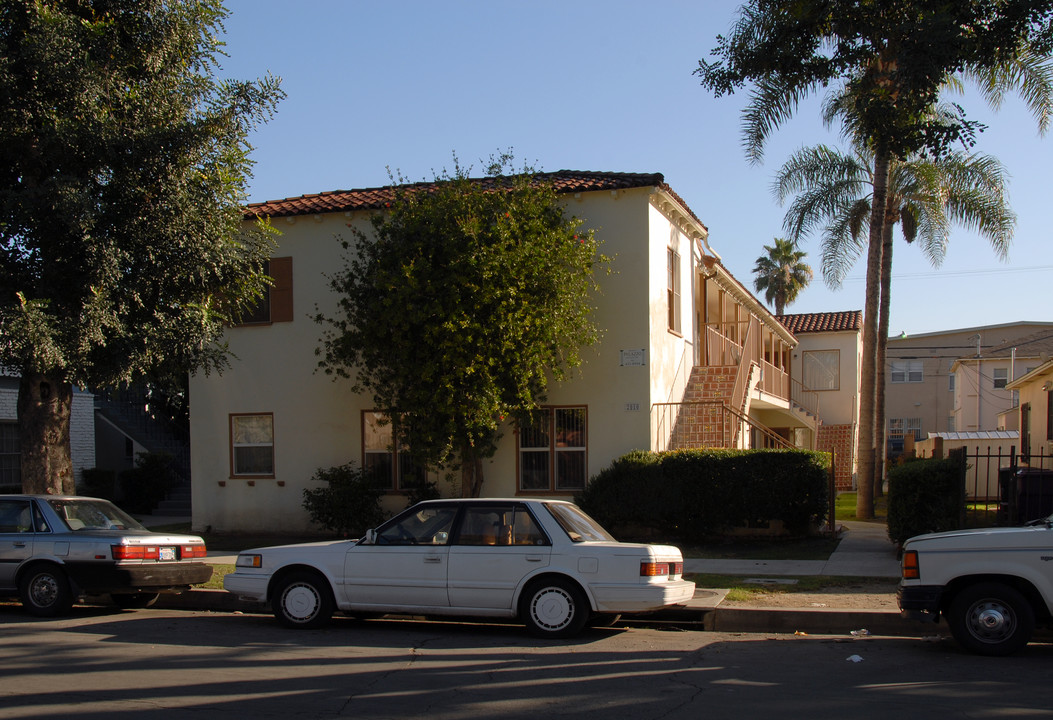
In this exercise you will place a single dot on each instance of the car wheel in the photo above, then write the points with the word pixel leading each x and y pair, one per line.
pixel 991 619
pixel 131 601
pixel 302 600
pixel 45 592
pixel 554 607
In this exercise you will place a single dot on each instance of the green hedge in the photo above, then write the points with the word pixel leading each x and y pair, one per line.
pixel 142 488
pixel 691 495
pixel 925 496
pixel 349 503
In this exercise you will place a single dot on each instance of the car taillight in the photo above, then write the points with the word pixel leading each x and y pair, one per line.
pixel 653 569
pixel 910 567
pixel 678 568
pixel 189 552
pixel 134 552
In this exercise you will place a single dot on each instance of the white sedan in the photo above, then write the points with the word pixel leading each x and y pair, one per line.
pixel 545 561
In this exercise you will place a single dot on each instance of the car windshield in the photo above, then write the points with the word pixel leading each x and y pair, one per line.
pixel 578 526
pixel 93 515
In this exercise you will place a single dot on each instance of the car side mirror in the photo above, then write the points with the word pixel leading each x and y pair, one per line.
pixel 370 538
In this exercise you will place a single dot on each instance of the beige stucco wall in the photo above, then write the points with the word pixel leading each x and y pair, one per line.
pixel 1032 392
pixel 317 421
pixel 841 406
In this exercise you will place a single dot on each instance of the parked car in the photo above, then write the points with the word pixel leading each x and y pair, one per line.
pixel 992 586
pixel 56 549
pixel 543 561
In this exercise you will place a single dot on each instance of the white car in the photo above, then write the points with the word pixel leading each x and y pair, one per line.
pixel 545 561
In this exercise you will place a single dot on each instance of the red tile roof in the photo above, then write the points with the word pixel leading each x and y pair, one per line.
pixel 564 181
pixel 822 322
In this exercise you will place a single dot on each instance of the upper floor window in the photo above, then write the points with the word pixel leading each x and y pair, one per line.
pixel 821 369
pixel 553 448
pixel 673 291
pixel 252 445
pixel 276 305
pixel 386 454
pixel 904 371
pixel 1001 378
pixel 950 382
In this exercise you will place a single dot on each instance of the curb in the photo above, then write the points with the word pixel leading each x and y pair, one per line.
pixel 713 619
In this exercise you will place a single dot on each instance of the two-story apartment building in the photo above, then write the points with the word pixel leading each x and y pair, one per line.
pixel 688 358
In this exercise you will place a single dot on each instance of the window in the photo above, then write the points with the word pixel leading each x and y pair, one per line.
pixel 427 526
pixel 950 423
pixel 553 449
pixel 822 369
pixel 252 445
pixel 673 283
pixel 15 516
pixel 394 470
pixel 904 371
pixel 500 524
pixel 276 305
pixel 1001 378
pixel 1049 415
pixel 10 457
pixel 950 382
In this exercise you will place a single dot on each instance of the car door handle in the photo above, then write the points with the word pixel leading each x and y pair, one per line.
pixel 20 544
pixel 533 558
pixel 432 559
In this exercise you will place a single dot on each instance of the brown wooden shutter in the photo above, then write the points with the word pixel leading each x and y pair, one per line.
pixel 282 290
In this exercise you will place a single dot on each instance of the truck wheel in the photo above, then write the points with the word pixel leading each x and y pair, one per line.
pixel 991 619
pixel 45 592
pixel 302 600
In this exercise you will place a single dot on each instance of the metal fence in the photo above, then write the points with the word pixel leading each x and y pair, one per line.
pixel 1004 488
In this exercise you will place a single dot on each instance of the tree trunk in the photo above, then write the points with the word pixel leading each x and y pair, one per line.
pixel 880 433
pixel 867 396
pixel 44 407
pixel 471 474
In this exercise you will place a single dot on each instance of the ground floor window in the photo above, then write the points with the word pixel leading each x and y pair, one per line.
pixel 10 456
pixel 385 452
pixel 553 450
pixel 252 445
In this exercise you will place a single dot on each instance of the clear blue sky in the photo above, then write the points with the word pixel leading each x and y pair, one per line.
pixel 596 85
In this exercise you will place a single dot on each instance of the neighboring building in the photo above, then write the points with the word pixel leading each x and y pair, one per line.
pixel 825 370
pixel 932 385
pixel 688 358
pixel 1035 390
pixel 81 433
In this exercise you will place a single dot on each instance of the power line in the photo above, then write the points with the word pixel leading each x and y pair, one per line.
pixel 936 274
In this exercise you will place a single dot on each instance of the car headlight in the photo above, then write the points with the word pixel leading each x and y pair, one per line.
pixel 249 560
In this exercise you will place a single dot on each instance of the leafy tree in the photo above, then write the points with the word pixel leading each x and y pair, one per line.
pixel 889 62
pixel 123 166
pixel 469 298
pixel 832 193
pixel 781 274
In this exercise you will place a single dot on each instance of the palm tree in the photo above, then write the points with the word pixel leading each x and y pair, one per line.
pixel 781 274
pixel 924 197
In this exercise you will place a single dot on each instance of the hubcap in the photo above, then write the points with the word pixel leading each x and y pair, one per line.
pixel 44 590
pixel 991 621
pixel 300 602
pixel 552 608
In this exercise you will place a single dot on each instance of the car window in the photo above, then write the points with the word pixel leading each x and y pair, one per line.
pixel 499 525
pixel 93 515
pixel 15 516
pixel 578 526
pixel 427 526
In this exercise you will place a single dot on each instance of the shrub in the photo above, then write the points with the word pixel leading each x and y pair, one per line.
pixel 696 494
pixel 925 496
pixel 349 504
pixel 145 485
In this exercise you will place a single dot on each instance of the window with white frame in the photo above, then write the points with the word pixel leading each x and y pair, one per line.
pixel 907 371
pixel 821 369
pixel 386 453
pixel 252 445
pixel 553 450
pixel 1001 378
pixel 673 292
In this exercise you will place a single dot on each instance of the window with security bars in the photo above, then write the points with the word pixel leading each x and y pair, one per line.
pixel 391 462
pixel 553 448
pixel 10 455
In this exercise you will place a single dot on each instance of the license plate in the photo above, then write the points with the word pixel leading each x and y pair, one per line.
pixel 167 553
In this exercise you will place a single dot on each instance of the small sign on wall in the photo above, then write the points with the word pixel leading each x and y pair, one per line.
pixel 634 358
pixel 632 407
